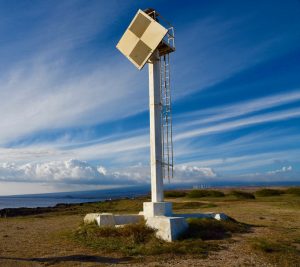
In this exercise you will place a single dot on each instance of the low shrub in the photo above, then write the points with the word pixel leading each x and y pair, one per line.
pixel 175 194
pixel 242 194
pixel 293 191
pixel 270 246
pixel 137 239
pixel 192 205
pixel 208 229
pixel 111 239
pixel 268 192
pixel 205 193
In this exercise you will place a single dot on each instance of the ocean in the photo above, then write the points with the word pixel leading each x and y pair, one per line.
pixel 52 199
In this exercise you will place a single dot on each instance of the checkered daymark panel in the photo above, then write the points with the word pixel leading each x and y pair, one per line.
pixel 140 25
pixel 139 52
pixel 141 38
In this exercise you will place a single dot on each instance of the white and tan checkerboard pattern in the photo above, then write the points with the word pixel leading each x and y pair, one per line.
pixel 141 39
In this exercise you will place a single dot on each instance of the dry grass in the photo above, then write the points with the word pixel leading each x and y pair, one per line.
pixel 241 194
pixel 138 240
pixel 274 239
pixel 266 192
pixel 186 205
pixel 174 193
pixel 210 229
pixel 204 193
pixel 293 190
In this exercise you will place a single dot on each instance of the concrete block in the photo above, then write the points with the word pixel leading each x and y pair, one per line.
pixel 210 215
pixel 168 228
pixel 127 219
pixel 221 217
pixel 91 218
pixel 151 209
pixel 106 219
pixel 109 219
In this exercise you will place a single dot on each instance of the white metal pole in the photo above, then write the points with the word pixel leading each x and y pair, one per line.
pixel 157 194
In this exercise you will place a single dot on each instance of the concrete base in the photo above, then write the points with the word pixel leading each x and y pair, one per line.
pixel 168 228
pixel 209 215
pixel 158 215
pixel 151 209
pixel 91 218
pixel 109 219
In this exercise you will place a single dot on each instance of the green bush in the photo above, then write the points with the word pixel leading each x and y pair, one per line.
pixel 268 192
pixel 137 239
pixel 208 229
pixel 242 194
pixel 112 238
pixel 205 193
pixel 270 246
pixel 175 194
pixel 293 191
pixel 193 205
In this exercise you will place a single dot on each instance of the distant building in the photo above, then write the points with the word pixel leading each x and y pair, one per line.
pixel 201 186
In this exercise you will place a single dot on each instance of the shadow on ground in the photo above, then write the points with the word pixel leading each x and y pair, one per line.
pixel 78 258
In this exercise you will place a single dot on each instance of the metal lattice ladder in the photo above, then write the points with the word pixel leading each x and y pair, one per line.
pixel 166 117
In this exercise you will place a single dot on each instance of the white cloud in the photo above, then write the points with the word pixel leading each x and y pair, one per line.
pixel 102 170
pixel 282 174
pixel 74 171
pixel 54 87
pixel 50 89
pixel 223 41
pixel 240 123
pixel 35 102
pixel 282 170
pixel 80 172
pixel 185 171
pixel 238 109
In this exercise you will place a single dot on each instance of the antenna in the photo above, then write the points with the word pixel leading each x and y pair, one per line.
pixel 146 40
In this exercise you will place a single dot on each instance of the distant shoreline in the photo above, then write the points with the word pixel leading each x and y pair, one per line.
pixel 60 207
pixel 26 211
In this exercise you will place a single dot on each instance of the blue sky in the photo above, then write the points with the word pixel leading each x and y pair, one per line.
pixel 74 111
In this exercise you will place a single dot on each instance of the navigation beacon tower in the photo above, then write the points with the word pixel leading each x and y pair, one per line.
pixel 146 41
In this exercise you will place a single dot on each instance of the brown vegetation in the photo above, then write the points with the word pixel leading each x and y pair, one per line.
pixel 57 237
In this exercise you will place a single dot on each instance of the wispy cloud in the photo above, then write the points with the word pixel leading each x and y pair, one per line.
pixel 282 170
pixel 234 110
pixel 217 47
pixel 235 124
pixel 51 89
pixel 60 72
pixel 282 174
pixel 36 102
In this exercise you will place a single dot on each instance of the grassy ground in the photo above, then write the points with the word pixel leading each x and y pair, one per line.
pixel 58 238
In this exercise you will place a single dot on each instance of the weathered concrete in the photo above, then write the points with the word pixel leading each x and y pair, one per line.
pixel 126 219
pixel 106 219
pixel 90 218
pixel 168 228
pixel 221 217
pixel 109 219
pixel 151 209
pixel 158 215
pixel 157 194
pixel 208 215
